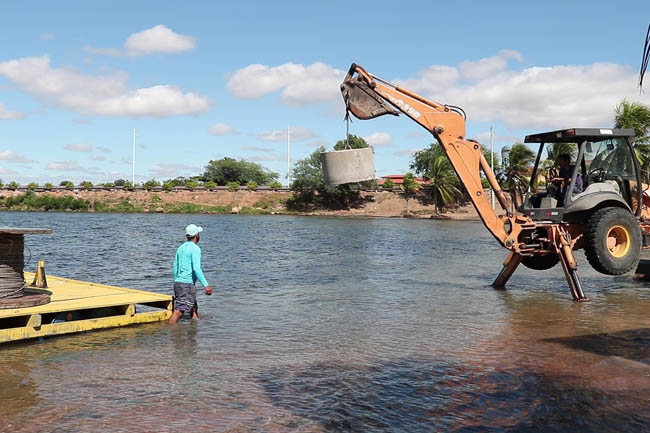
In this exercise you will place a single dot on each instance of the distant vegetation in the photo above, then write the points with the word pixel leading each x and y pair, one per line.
pixel 30 201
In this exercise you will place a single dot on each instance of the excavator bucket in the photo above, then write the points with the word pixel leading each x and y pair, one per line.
pixel 362 101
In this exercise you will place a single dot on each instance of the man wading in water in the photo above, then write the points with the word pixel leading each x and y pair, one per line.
pixel 187 269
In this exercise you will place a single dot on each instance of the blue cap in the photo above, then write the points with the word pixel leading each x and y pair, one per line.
pixel 193 230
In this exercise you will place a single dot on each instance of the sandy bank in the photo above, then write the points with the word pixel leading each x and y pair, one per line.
pixel 374 204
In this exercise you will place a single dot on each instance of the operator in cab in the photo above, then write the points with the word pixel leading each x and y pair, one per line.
pixel 564 172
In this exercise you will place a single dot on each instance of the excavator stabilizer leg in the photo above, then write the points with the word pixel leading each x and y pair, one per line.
pixel 570 269
pixel 509 266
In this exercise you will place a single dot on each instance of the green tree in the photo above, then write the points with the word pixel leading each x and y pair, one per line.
pixel 12 185
pixel 227 170
pixel 233 186
pixel 32 186
pixel 48 185
pixel 168 185
pixel 210 185
pixel 191 184
pixel 150 184
pixel 354 142
pixel 432 164
pixel 410 186
pixel 443 179
pixel 275 185
pixel 67 183
pixel 119 182
pixel 86 184
pixel 251 185
pixel 388 184
pixel 491 158
pixel 514 171
pixel 108 185
pixel 636 115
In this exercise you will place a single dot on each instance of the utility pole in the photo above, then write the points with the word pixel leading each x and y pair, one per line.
pixel 288 154
pixel 492 163
pixel 133 176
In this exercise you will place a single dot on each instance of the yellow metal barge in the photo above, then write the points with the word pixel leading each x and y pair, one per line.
pixel 78 306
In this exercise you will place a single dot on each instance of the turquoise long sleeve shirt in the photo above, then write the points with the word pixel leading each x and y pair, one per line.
pixel 187 264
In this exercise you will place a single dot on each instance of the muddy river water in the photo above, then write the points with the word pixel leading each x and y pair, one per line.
pixel 324 324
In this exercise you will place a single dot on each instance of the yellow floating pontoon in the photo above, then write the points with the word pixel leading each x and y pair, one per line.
pixel 77 306
pixel 55 306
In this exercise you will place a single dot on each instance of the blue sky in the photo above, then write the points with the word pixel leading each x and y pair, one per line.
pixel 205 80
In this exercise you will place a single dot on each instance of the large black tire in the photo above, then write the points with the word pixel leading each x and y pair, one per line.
pixel 541 263
pixel 612 241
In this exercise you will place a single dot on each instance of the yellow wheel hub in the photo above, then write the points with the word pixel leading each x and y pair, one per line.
pixel 618 241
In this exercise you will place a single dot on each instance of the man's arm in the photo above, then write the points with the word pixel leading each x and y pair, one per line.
pixel 196 267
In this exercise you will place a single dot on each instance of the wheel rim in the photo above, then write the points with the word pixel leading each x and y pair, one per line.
pixel 618 241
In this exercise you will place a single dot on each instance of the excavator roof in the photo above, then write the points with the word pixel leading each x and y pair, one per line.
pixel 572 135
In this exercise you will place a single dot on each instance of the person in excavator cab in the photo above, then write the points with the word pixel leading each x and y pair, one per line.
pixel 562 180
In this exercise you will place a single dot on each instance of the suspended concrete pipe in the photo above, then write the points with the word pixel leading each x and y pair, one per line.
pixel 348 166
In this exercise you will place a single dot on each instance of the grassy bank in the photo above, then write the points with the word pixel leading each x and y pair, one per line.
pixel 31 201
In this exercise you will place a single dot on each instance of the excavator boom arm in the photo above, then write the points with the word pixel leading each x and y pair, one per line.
pixel 367 96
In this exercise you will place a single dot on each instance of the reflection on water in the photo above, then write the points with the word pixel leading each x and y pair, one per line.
pixel 321 324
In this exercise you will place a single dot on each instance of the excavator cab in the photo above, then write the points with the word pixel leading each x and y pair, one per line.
pixel 602 172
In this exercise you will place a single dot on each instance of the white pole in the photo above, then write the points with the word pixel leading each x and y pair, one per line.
pixel 492 162
pixel 288 154
pixel 133 176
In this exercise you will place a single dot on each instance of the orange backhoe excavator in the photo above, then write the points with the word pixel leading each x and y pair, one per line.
pixel 602 207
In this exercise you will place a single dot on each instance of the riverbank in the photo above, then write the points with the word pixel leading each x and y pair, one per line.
pixel 372 204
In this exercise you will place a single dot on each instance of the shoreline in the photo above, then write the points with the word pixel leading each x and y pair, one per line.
pixel 374 204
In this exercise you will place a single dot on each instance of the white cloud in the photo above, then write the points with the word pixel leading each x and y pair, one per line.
pixel 7 172
pixel 489 66
pixel 221 129
pixel 552 97
pixel 416 135
pixel 377 139
pixel 318 143
pixel 405 152
pixel 11 156
pixel 158 39
pixel 256 149
pixel 104 149
pixel 98 158
pixel 66 166
pixel 79 147
pixel 47 36
pixel 172 170
pixel 484 138
pixel 106 95
pixel 10 115
pixel 298 133
pixel 268 157
pixel 299 85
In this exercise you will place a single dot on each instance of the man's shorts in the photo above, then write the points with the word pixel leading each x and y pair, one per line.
pixel 184 297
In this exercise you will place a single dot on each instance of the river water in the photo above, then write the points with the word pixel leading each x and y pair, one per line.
pixel 325 324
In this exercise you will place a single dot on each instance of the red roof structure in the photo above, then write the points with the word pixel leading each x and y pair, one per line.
pixel 398 179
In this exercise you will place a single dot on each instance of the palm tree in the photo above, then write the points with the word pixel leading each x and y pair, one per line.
pixel 443 183
pixel 515 168
pixel 410 187
pixel 433 165
pixel 636 115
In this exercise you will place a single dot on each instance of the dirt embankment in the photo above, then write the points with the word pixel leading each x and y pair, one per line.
pixel 375 204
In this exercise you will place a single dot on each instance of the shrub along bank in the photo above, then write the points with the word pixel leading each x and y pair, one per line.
pixel 142 203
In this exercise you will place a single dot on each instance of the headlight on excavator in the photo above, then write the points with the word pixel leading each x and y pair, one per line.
pixel 507 226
